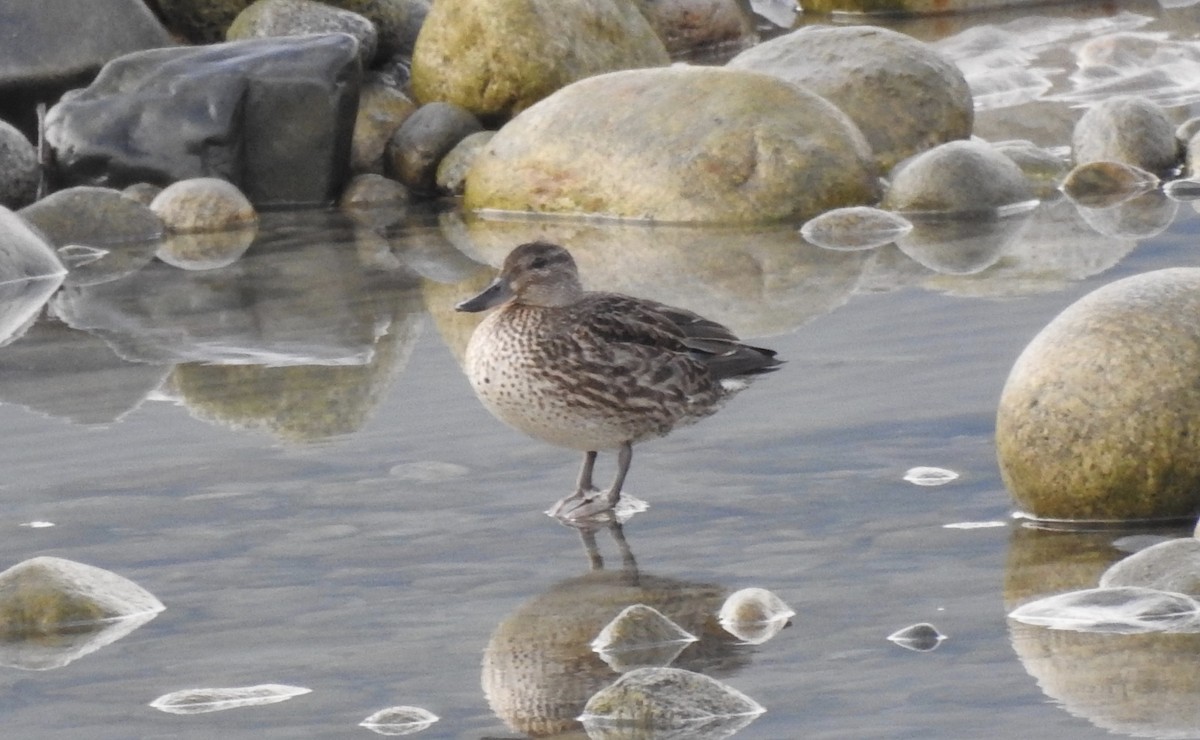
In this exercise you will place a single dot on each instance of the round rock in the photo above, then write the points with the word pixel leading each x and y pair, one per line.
pixel 264 18
pixel 957 177
pixel 452 172
pixel 904 95
pixel 415 150
pixel 498 57
pixel 94 217
pixel 382 108
pixel 1129 130
pixel 18 168
pixel 203 204
pixel 677 144
pixel 1100 417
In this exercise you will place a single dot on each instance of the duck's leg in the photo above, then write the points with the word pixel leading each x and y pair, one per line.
pixel 583 488
pixel 581 506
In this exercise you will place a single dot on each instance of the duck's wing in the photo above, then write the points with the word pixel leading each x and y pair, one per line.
pixel 647 332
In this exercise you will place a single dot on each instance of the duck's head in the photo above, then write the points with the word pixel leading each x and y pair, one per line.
pixel 534 274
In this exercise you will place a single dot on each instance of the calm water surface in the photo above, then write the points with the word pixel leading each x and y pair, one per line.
pixel 285 452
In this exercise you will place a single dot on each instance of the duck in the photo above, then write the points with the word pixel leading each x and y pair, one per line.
pixel 596 371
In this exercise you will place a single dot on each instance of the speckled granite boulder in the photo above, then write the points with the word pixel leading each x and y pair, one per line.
pixel 1133 131
pixel 470 54
pixel 1100 416
pixel 957 177
pixel 629 144
pixel 273 116
pixel 904 95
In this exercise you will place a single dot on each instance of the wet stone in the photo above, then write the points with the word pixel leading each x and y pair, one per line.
pixel 666 700
pixel 1043 168
pixel 754 615
pixel 382 108
pixel 1120 610
pixel 402 720
pixel 639 636
pixel 922 637
pixel 1099 416
pixel 958 177
pixel 857 227
pixel 1167 566
pixel 24 252
pixel 1130 130
pixel 1100 184
pixel 201 701
pixel 53 611
pixel 417 147
pixel 203 204
pixel 93 216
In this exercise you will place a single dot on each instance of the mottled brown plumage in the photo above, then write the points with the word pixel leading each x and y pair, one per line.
pixel 595 371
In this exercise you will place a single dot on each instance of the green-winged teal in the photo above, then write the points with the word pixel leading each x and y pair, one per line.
pixel 595 371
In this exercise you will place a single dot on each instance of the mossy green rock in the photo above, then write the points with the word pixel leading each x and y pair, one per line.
pixel 498 57
pixel 1100 417
pixel 687 144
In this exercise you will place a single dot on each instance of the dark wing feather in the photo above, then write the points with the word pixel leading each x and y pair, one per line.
pixel 652 331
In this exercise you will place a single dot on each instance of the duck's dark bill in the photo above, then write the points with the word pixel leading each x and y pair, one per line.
pixel 493 295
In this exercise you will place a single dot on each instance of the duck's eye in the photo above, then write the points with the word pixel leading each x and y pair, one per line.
pixel 538 263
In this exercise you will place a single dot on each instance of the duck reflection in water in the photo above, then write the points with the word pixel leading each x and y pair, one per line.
pixel 539 667
pixel 596 371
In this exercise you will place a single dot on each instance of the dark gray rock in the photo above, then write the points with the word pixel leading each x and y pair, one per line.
pixel 35 64
pixel 273 116
pixel 18 168
pixel 93 217
pixel 417 147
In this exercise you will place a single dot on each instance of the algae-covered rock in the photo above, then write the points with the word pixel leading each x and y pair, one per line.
pixel 678 144
pixel 1099 417
pixel 498 57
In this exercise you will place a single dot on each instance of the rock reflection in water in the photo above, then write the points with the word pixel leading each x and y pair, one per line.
pixel 757 282
pixel 1140 685
pixel 539 669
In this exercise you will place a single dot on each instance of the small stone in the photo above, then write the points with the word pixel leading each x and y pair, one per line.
pixel 754 615
pixel 1102 184
pixel 921 638
pixel 373 191
pixel 1122 610
pixel 958 177
pixel 417 147
pixel 639 636
pixel 382 108
pixel 452 172
pixel 1130 130
pixel 399 720
pixel 1167 566
pixel 857 227
pixel 657 701
pixel 203 204
pixel 201 701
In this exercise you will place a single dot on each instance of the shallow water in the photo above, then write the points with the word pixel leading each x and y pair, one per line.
pixel 285 453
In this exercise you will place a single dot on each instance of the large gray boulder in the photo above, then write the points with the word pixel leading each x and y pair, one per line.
pixel 904 95
pixel 37 65
pixel 676 144
pixel 273 116
pixel 498 57
pixel 1100 416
